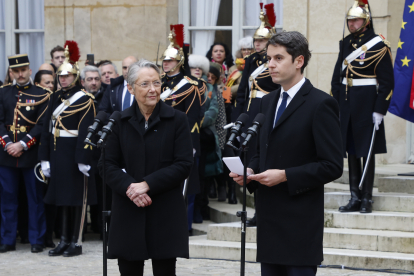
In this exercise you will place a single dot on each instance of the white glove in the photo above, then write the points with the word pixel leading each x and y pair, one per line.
pixel 377 119
pixel 45 168
pixel 84 168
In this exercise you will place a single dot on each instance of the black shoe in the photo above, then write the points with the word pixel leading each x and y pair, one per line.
pixel 60 248
pixel 353 206
pixel 5 247
pixel 252 222
pixel 222 193
pixel 37 248
pixel 366 206
pixel 73 250
pixel 24 240
pixel 49 243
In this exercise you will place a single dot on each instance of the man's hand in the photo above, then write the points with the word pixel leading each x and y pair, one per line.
pixel 15 149
pixel 142 200
pixel 136 189
pixel 270 177
pixel 239 178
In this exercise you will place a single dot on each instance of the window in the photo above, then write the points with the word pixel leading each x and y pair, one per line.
pixel 21 32
pixel 227 21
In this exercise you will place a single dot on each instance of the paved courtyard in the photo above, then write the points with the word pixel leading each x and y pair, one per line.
pixel 23 262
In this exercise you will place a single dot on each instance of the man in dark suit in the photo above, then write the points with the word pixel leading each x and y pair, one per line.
pixel 116 96
pixel 299 150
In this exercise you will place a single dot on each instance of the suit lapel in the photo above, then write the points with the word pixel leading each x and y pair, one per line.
pixel 296 102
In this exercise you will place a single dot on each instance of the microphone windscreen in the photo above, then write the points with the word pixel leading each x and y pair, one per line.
pixel 243 118
pixel 116 116
pixel 101 116
pixel 260 118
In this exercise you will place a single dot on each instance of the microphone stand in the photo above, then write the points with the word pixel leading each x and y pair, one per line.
pixel 242 214
pixel 105 213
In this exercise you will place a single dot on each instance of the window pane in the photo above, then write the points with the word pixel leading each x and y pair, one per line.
pixel 225 16
pixel 204 12
pixel 31 16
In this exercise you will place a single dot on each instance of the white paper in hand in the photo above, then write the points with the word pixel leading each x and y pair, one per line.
pixel 234 164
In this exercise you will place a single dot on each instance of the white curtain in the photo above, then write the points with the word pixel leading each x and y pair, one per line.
pixel 252 13
pixel 203 13
pixel 31 16
pixel 3 61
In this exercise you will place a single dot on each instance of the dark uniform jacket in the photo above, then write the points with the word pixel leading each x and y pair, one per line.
pixel 112 97
pixel 306 143
pixel 162 156
pixel 359 102
pixel 64 153
pixel 19 126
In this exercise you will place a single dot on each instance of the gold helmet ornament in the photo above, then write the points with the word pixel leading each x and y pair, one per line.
pixel 175 51
pixel 268 22
pixel 360 9
pixel 70 65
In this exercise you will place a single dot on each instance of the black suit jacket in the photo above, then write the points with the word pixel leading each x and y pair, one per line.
pixel 306 142
pixel 112 97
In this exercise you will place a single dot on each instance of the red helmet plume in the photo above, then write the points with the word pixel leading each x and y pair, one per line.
pixel 74 53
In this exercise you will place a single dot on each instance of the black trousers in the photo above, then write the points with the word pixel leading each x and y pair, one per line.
pixel 165 267
pixel 287 270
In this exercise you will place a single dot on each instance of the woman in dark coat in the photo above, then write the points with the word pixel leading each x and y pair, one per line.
pixel 148 157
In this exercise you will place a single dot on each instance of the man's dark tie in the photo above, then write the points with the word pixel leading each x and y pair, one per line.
pixel 282 107
pixel 127 100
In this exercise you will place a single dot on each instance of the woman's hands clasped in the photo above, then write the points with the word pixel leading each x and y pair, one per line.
pixel 137 192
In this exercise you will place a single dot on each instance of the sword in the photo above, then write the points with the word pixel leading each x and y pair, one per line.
pixel 85 198
pixel 157 54
pixel 368 157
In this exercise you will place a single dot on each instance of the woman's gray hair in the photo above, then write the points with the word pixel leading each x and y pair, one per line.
pixel 89 68
pixel 136 67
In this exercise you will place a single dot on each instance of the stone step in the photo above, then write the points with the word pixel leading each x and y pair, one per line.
pixel 396 184
pixel 201 247
pixel 377 220
pixel 357 239
pixel 201 228
pixel 393 202
pixel 221 212
pixel 336 187
pixel 380 171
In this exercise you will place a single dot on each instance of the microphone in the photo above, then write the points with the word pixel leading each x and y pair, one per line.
pixel 98 121
pixel 108 128
pixel 235 130
pixel 228 126
pixel 252 131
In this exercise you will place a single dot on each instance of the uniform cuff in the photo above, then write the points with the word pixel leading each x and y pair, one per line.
pixel 5 140
pixel 24 145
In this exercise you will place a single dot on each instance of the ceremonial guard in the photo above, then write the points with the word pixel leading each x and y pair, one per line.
pixel 185 93
pixel 256 81
pixel 22 106
pixel 64 157
pixel 362 83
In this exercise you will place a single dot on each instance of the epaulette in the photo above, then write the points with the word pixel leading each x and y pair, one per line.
pixel 386 42
pixel 4 85
pixel 88 94
pixel 202 80
pixel 44 88
pixel 246 57
pixel 162 75
pixel 193 82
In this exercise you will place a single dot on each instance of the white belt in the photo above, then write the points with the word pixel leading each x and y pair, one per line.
pixel 360 82
pixel 259 94
pixel 64 133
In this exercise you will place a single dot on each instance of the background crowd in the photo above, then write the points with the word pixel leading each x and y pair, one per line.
pixel 221 73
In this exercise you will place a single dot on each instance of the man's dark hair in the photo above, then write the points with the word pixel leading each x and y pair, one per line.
pixel 39 74
pixel 99 64
pixel 56 49
pixel 295 43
